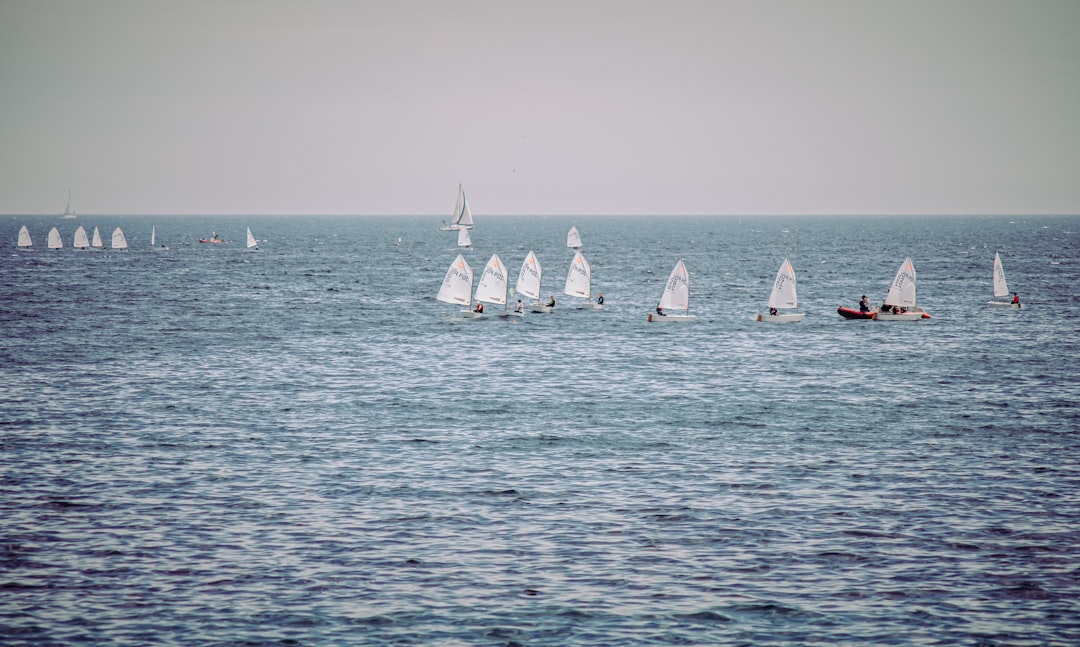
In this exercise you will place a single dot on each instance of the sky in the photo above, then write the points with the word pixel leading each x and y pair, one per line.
pixel 548 107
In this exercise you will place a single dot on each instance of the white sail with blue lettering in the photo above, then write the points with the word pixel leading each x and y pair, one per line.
pixel 783 296
pixel 674 305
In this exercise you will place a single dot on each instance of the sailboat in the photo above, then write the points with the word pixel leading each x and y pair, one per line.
pixel 252 244
pixel 579 282
pixel 457 285
pixel 573 238
pixel 783 297
pixel 491 288
pixel 95 241
pixel 676 296
pixel 462 216
pixel 69 213
pixel 81 241
pixel 463 238
pixel 24 244
pixel 54 241
pixel 900 303
pixel 528 282
pixel 1001 288
pixel 118 240
pixel 153 240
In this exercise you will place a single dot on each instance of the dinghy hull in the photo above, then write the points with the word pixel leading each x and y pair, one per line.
pixel 655 318
pixel 792 318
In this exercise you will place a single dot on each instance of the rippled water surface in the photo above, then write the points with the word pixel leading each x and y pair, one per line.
pixel 302 446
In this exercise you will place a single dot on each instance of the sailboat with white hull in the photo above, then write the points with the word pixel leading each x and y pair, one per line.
pixel 491 288
pixel 462 216
pixel 579 283
pixel 1001 288
pixel 119 241
pixel 95 241
pixel 573 238
pixel 900 303
pixel 676 296
pixel 784 296
pixel 463 238
pixel 457 284
pixel 54 241
pixel 24 244
pixel 528 282
pixel 81 241
pixel 252 244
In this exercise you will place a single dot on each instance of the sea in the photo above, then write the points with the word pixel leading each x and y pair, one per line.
pixel 300 445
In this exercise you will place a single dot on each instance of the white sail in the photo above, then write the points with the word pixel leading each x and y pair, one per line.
pixel 463 217
pixel 528 282
pixel 491 288
pixel 24 238
pixel 578 278
pixel 54 239
pixel 902 290
pixel 457 285
pixel 251 242
pixel 81 241
pixel 676 294
pixel 1001 288
pixel 96 240
pixel 573 238
pixel 153 235
pixel 118 240
pixel 68 211
pixel 783 293
pixel 463 238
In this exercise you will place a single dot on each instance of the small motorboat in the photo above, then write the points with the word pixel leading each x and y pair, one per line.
pixel 215 239
pixel 855 313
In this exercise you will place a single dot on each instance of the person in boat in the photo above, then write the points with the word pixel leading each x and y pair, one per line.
pixel 773 312
pixel 551 301
pixel 660 311
pixel 600 299
pixel 520 306
pixel 1016 298
pixel 479 307
pixel 864 304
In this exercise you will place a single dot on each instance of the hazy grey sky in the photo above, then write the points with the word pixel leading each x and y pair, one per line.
pixel 540 107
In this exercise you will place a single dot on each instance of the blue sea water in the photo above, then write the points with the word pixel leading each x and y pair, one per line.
pixel 300 445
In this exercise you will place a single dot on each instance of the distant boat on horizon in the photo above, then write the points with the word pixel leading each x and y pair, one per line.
pixel 69 213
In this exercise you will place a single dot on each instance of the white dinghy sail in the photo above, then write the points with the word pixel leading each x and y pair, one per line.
pixel 676 296
pixel 95 241
pixel 81 241
pixel 784 296
pixel 528 282
pixel 573 238
pixel 1001 288
pixel 252 244
pixel 118 239
pixel 457 284
pixel 579 282
pixel 463 238
pixel 24 239
pixel 900 303
pixel 54 241
pixel 491 288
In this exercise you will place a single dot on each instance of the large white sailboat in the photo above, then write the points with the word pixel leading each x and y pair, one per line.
pixel 1001 288
pixel 457 284
pixel 900 303
pixel 579 282
pixel 54 241
pixel 676 296
pixel 118 239
pixel 69 213
pixel 462 216
pixel 81 240
pixel 25 244
pixel 528 282
pixel 783 297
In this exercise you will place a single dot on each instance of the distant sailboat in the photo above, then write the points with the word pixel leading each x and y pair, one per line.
pixel 573 238
pixel 81 241
pixel 676 296
pixel 118 240
pixel 463 238
pixel 95 241
pixel 69 213
pixel 153 240
pixel 900 303
pixel 579 282
pixel 462 216
pixel 252 244
pixel 1001 288
pixel 528 282
pixel 24 244
pixel 783 297
pixel 457 285
pixel 54 241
